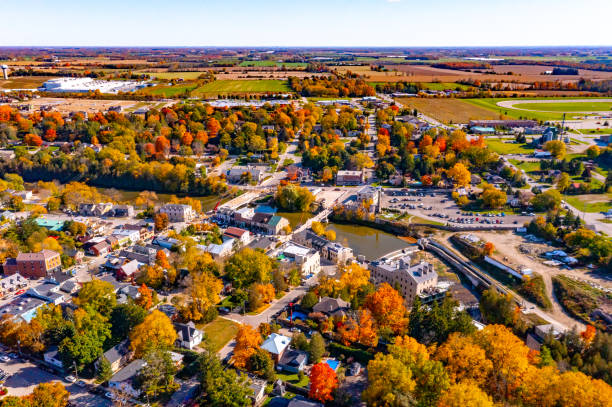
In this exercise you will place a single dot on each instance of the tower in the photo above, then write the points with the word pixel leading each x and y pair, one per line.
pixel 4 71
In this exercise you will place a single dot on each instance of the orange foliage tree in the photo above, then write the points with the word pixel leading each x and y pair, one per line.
pixel 387 308
pixel 50 135
pixel 146 297
pixel 323 382
pixel 32 140
pixel 247 343
pixel 489 248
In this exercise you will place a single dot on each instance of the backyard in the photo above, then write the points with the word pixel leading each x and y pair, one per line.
pixel 501 147
pixel 219 332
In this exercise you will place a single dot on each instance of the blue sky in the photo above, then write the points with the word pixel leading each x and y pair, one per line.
pixel 305 23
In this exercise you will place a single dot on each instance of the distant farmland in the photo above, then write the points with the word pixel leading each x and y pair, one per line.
pixel 175 75
pixel 245 86
pixel 449 110
pixel 24 82
pixel 273 63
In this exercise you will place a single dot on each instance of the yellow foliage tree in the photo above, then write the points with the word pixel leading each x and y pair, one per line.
pixel 388 379
pixel 464 360
pixel 460 175
pixel 464 395
pixel 247 343
pixel 155 331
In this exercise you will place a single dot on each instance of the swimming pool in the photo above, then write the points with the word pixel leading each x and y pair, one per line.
pixel 333 363
pixel 297 315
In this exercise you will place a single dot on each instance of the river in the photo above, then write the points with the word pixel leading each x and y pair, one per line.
pixel 370 242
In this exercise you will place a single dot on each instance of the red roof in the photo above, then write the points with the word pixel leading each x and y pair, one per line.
pixel 235 232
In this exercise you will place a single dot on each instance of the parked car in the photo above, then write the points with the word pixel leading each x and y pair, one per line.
pixel 70 379
pixel 5 359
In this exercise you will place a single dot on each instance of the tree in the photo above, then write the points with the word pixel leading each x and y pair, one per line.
pixel 317 347
pixel 52 394
pixel 104 370
pixel 293 198
pixel 354 278
pixel 368 335
pixel 161 221
pixel 155 332
pixel 309 300
pixel 222 387
pixel 496 308
pixel 146 298
pixel 465 394
pixel 460 175
pixel 464 360
pixel 158 377
pixel 493 197
pixel 98 295
pixel 556 148
pixel 547 200
pixel 247 343
pixel 323 382
pixel 387 308
pixel 489 248
pixel 248 266
pixel 32 140
pixel 563 182
pixel 389 382
pixel 203 292
pixel 90 330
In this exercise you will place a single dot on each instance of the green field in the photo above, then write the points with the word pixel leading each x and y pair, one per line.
pixel 433 85
pixel 244 86
pixel 273 63
pixel 175 75
pixel 566 106
pixel 171 91
pixel 501 147
pixel 596 131
pixel 590 203
pixel 527 166
pixel 219 332
pixel 491 105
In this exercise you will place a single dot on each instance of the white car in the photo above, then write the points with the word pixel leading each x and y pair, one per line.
pixel 5 359
pixel 70 379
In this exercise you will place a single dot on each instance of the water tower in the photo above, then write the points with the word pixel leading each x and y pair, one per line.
pixel 4 71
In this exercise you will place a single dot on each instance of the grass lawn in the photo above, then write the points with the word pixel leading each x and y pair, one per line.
pixel 416 219
pixel 527 166
pixel 449 110
pixel 238 86
pixel 596 131
pixel 219 332
pixel 293 379
pixel 591 106
pixel 590 203
pixel 501 147
pixel 171 91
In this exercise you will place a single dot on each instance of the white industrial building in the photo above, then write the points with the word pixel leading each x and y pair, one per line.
pixel 84 85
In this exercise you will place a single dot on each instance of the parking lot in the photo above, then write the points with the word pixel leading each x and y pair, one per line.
pixel 23 376
pixel 439 206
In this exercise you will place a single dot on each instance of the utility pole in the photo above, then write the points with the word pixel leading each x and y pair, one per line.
pixel 76 373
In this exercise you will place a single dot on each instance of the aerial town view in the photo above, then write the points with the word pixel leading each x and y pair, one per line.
pixel 374 203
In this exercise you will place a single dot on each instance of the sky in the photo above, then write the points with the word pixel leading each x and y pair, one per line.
pixel 328 23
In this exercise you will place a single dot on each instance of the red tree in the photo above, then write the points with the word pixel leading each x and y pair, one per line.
pixel 162 145
pixel 32 140
pixel 50 135
pixel 323 382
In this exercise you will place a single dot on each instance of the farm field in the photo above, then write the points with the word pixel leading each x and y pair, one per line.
pixel 171 91
pixel 175 75
pixel 567 106
pixel 69 105
pixel 501 147
pixel 23 82
pixel 273 63
pixel 449 110
pixel 245 86
pixel 434 85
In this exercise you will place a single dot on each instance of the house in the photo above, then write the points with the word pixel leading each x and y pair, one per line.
pixel 146 232
pixel 47 291
pixel 475 179
pixel 259 391
pixel 236 174
pixel 219 251
pixel 178 212
pixel 242 236
pixel 34 265
pixel 166 242
pixel 333 307
pixel 276 344
pixel 99 249
pixel 292 255
pixel 126 293
pixel 268 223
pixel 12 283
pixel 92 209
pixel 542 331
pixel 76 254
pixel 188 336
pixel 128 270
pixel 23 308
pixel 345 177
pixel 126 236
pixel 123 211
pixel 509 124
pixel 332 251
pixel 411 281
pixel 297 401
pixel 293 360
pixel 144 254
pixel 542 154
pixel 52 357
pixel 70 287
pixel 482 130
pixel 117 356
pixel 124 380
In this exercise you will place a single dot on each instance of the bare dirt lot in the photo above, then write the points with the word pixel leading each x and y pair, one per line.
pixel 67 105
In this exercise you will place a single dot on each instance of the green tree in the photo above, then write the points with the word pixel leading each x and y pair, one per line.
pixel 249 266
pixel 222 387
pixel 104 370
pixel 85 346
pixel 317 347
pixel 309 300
pixel 158 377
pixel 547 200
pixel 98 295
pixel 496 308
pixel 563 182
pixel 556 148
pixel 293 198
pixel 123 318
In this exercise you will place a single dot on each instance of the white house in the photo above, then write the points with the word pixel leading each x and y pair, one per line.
pixel 188 336
pixel 124 380
pixel 52 357
pixel 307 260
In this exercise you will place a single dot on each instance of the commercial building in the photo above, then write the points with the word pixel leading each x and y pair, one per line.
pixel 34 265
pixel 344 177
pixel 331 251
pixel 292 255
pixel 178 212
pixel 84 85
pixel 240 235
pixel 411 281
pixel 236 174
pixel 12 283
pixel 510 124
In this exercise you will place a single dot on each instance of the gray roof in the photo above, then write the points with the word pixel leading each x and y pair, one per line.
pixel 128 372
pixel 186 332
pixel 117 352
pixel 329 305
pixel 293 357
